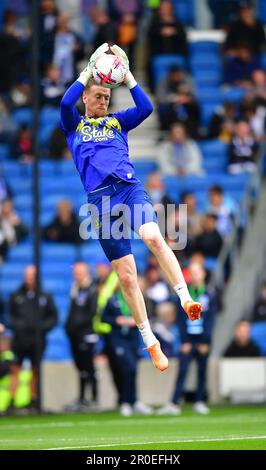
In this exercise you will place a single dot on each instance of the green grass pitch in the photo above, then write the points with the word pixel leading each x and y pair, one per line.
pixel 226 428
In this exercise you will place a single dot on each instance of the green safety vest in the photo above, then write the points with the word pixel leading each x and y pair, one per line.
pixel 107 291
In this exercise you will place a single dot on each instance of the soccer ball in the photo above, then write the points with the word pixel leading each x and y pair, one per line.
pixel 109 71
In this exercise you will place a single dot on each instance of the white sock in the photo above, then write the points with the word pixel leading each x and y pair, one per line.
pixel 182 292
pixel 146 333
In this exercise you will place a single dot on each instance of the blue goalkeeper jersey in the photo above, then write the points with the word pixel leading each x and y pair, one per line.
pixel 99 146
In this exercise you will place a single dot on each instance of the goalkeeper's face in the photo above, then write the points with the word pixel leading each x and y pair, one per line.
pixel 96 99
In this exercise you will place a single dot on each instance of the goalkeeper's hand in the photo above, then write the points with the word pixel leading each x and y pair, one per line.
pixel 129 79
pixel 86 74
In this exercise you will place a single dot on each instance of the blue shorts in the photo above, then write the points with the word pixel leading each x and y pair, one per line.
pixel 117 209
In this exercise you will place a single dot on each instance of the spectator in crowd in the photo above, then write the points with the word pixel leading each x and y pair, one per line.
pixel 224 12
pixel 166 329
pixel 23 322
pixel 106 30
pixel 259 312
pixel 11 224
pixel 257 90
pixel 7 125
pixel 68 49
pixel 222 123
pixel 209 242
pixel 5 192
pixel 126 15
pixel 240 66
pixel 185 110
pixel 48 23
pixel 52 86
pixel 242 344
pixel 149 303
pixel 181 155
pixel 243 150
pixel 255 114
pixel 246 28
pixel 169 93
pixel 157 289
pixel 168 86
pixel 65 227
pixel 122 348
pixel 80 332
pixel 20 94
pixel 195 344
pixel 194 217
pixel 58 149
pixel 161 202
pixel 23 145
pixel 223 207
pixel 166 34
pixel 10 53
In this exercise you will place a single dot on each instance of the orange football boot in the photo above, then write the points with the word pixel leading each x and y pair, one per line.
pixel 158 357
pixel 193 310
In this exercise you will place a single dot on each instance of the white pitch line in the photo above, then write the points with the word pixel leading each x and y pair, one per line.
pixel 131 421
pixel 234 438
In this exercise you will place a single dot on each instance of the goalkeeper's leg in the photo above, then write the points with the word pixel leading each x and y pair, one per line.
pixel 151 235
pixel 125 268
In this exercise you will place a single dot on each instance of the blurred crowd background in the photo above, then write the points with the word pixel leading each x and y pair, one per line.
pixel 204 147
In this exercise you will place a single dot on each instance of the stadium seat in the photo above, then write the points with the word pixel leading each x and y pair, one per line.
pixel 22 116
pixel 233 94
pixel 50 116
pixel 22 252
pixel 58 348
pixel 210 78
pixel 4 152
pixel 214 149
pixel 198 47
pixel 185 11
pixel 161 64
pixel 145 166
pixel 59 252
pixel 258 334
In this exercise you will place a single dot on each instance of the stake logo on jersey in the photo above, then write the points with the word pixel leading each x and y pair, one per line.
pixel 98 130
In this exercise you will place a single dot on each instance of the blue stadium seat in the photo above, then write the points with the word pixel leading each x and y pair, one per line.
pixel 213 149
pixel 13 270
pixel 263 58
pixel 198 47
pixel 22 252
pixel 210 78
pixel 45 134
pixel 12 169
pixel 233 94
pixel 258 334
pixel 92 253
pixel 23 201
pixel 4 152
pixel 19 185
pixel 145 166
pixel 262 10
pixel 207 110
pixel 8 285
pixel 22 116
pixel 209 94
pixel 206 59
pixel 161 64
pixel 59 251
pixel 185 11
pixel 58 347
pixel 50 116
pixel 56 285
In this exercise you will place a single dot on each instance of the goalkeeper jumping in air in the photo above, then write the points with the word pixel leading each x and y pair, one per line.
pixel 98 143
